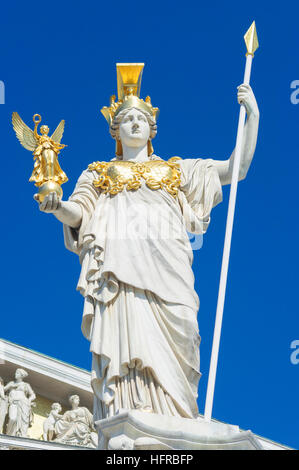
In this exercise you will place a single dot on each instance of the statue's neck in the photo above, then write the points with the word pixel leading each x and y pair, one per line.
pixel 137 154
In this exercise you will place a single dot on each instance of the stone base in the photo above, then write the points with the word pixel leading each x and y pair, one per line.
pixel 137 430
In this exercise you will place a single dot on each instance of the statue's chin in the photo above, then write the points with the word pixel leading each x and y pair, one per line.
pixel 136 141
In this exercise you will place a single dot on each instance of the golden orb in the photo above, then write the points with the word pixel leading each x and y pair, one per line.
pixel 47 188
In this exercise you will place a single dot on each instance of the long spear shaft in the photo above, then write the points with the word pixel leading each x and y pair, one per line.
pixel 251 44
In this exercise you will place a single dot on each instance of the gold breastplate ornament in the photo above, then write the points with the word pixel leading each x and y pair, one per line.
pixel 116 175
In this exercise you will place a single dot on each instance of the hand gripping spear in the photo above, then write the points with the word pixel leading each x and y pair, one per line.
pixel 252 44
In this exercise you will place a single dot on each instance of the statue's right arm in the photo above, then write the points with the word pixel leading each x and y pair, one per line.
pixel 8 386
pixel 67 212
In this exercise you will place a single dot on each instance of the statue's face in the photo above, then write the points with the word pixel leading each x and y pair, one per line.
pixel 75 401
pixel 134 130
pixel 44 130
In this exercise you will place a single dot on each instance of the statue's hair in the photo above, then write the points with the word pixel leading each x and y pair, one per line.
pixel 55 405
pixel 72 398
pixel 114 128
pixel 22 372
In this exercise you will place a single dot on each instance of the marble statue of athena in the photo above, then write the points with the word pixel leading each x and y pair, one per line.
pixel 128 219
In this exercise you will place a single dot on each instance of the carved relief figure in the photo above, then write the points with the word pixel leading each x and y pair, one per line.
pixel 3 405
pixel 76 426
pixel 20 402
pixel 49 423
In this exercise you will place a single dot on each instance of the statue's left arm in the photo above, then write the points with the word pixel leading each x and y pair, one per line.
pixel 225 168
pixel 2 393
pixel 31 394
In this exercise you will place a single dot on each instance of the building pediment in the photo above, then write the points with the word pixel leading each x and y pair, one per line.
pixel 53 382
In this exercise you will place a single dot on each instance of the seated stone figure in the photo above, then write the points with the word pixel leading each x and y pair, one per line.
pixel 76 426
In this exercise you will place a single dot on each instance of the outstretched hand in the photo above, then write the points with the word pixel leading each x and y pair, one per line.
pixel 246 97
pixel 50 204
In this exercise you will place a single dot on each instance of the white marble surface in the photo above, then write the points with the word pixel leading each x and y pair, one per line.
pixel 135 430
pixel 55 379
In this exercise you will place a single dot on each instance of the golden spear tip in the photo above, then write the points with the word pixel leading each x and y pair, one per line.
pixel 251 40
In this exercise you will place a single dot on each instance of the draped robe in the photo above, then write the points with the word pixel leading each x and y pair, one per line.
pixel 140 309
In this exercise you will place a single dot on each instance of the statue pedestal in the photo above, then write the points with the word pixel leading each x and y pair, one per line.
pixel 137 430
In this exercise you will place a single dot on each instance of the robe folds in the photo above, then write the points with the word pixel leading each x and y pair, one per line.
pixel 140 309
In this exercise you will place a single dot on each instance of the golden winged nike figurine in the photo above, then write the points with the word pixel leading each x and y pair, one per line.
pixel 47 174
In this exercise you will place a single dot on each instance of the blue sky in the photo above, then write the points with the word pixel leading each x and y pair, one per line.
pixel 58 59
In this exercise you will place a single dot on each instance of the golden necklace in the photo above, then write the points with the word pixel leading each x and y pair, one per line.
pixel 116 175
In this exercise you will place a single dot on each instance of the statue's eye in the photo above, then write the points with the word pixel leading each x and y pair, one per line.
pixel 128 118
